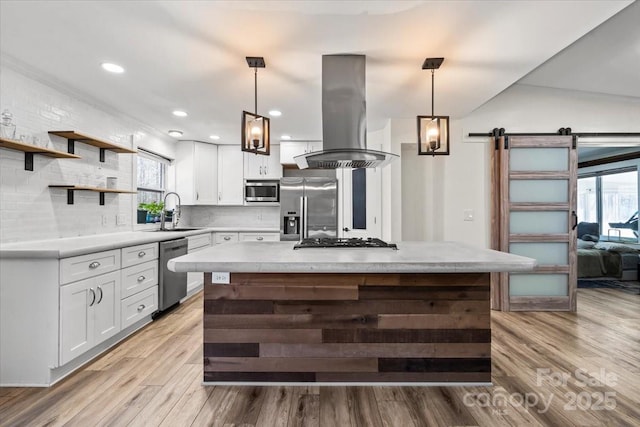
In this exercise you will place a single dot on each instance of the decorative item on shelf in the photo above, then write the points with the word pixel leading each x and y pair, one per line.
pixel 255 128
pixel 8 128
pixel 433 131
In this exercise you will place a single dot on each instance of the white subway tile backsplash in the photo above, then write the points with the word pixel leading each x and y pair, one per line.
pixel 29 209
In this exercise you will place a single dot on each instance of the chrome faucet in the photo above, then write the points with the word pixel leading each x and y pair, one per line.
pixel 176 212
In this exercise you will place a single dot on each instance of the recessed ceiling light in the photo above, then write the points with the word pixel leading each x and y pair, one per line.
pixel 180 113
pixel 175 133
pixel 112 68
pixel 216 137
pixel 275 113
pixel 286 137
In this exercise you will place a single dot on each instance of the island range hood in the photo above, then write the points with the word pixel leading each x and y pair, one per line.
pixel 344 126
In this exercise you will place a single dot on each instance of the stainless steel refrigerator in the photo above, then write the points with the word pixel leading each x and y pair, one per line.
pixel 308 208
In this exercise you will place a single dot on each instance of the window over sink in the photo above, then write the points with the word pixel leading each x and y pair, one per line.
pixel 152 177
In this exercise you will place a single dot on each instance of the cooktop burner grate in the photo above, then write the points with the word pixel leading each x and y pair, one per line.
pixel 344 243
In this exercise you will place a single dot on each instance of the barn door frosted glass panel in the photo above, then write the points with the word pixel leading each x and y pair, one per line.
pixel 538 284
pixel 547 253
pixel 538 222
pixel 539 191
pixel 539 159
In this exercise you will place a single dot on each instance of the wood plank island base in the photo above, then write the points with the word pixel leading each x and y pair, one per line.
pixel 340 319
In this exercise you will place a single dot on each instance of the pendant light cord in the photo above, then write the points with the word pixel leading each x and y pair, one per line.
pixel 255 91
pixel 432 94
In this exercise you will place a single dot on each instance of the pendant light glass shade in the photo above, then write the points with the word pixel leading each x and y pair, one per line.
pixel 255 128
pixel 255 133
pixel 433 131
pixel 433 135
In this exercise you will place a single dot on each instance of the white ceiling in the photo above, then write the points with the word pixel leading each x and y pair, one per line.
pixel 191 54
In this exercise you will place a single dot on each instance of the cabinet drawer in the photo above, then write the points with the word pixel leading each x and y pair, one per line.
pixel 138 306
pixel 139 277
pixel 259 237
pixel 225 237
pixel 138 254
pixel 194 242
pixel 90 265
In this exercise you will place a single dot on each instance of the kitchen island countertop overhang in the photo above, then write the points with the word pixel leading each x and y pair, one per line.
pixel 411 257
pixel 419 315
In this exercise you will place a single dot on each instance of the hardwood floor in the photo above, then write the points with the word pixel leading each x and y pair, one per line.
pixel 549 369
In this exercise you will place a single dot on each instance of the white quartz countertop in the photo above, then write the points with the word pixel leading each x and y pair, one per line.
pixel 411 257
pixel 73 246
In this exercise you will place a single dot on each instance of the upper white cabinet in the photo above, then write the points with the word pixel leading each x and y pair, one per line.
pixel 230 179
pixel 290 149
pixel 196 174
pixel 257 166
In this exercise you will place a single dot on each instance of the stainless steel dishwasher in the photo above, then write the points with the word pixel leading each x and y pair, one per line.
pixel 172 286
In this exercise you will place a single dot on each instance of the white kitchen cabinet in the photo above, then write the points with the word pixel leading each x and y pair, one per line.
pixel 257 166
pixel 230 178
pixel 89 314
pixel 139 277
pixel 259 237
pixel 290 149
pixel 136 307
pixel 196 173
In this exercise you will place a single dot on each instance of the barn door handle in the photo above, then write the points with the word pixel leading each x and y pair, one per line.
pixel 575 220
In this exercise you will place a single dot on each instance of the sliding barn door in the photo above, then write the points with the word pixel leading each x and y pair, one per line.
pixel 535 216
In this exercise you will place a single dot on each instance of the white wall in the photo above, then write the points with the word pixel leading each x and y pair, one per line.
pixel 449 185
pixel 29 210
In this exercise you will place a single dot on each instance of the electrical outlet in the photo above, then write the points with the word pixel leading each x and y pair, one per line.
pixel 104 220
pixel 468 214
pixel 121 219
pixel 219 277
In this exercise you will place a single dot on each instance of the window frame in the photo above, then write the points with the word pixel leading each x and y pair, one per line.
pixel 164 171
pixel 599 210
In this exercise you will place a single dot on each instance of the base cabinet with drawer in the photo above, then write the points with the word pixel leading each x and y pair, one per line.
pixel 89 314
pixel 138 306
pixel 259 237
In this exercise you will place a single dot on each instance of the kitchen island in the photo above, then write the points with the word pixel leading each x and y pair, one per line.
pixel 420 314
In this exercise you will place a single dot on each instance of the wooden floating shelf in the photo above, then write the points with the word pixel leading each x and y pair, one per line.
pixel 73 136
pixel 71 188
pixel 30 149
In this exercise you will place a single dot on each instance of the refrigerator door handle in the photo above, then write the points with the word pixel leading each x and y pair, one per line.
pixel 305 218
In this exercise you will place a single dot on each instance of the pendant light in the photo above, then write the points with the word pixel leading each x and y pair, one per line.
pixel 255 128
pixel 433 131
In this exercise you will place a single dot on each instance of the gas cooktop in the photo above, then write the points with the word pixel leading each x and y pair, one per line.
pixel 344 243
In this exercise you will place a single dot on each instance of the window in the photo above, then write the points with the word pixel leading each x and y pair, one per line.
pixel 152 172
pixel 610 198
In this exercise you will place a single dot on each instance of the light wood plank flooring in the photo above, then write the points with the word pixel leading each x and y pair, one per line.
pixel 153 378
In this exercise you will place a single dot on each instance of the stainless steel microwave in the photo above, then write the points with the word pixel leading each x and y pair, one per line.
pixel 261 191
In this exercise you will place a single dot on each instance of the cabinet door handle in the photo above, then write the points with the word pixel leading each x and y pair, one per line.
pixel 219 195
pixel 141 278
pixel 265 170
pixel 259 238
pixel 100 289
pixel 197 196
pixel 227 237
pixel 141 254
pixel 141 307
pixel 94 264
pixel 93 297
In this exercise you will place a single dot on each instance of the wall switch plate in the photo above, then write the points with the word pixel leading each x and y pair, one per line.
pixel 221 278
pixel 104 220
pixel 468 214
pixel 121 219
